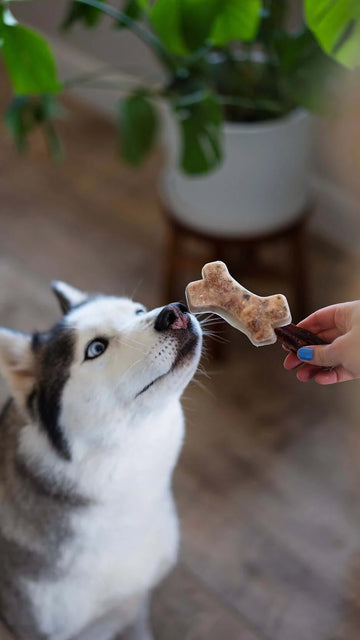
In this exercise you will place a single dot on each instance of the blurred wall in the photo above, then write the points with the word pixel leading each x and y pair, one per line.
pixel 103 42
pixel 80 50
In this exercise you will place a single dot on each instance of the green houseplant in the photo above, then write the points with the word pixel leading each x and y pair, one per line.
pixel 234 78
pixel 197 43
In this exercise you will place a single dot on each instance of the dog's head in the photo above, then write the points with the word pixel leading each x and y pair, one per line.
pixel 107 360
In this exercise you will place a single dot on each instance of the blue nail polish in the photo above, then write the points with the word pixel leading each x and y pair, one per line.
pixel 305 353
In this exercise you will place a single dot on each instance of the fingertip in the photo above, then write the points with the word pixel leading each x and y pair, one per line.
pixel 301 377
pixel 306 354
pixel 291 361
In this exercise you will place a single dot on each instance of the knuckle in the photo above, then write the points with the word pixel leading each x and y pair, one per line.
pixel 323 356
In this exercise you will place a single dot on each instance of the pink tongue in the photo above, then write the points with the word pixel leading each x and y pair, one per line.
pixel 181 322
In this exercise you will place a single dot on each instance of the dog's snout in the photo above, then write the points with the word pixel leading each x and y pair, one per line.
pixel 173 316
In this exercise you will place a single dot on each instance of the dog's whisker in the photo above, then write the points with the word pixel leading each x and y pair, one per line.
pixel 133 343
pixel 212 318
pixel 210 331
pixel 207 316
pixel 212 323
pixel 134 347
pixel 130 340
pixel 203 387
pixel 216 337
pixel 203 372
pixel 126 372
pixel 136 288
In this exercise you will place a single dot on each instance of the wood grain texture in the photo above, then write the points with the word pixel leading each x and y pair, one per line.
pixel 185 609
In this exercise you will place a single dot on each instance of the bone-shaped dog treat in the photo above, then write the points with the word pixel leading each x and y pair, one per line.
pixel 253 315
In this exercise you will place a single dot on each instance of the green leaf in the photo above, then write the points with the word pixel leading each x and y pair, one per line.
pixel 138 126
pixel 197 18
pixel 185 26
pixel 237 20
pixel 77 12
pixel 305 69
pixel 29 61
pixel 133 10
pixel 336 24
pixel 200 125
pixel 165 17
pixel 15 124
pixel 27 113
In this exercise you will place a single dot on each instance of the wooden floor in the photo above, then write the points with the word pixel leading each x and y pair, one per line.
pixel 268 485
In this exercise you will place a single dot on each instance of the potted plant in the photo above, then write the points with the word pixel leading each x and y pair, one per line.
pixel 267 89
pixel 235 78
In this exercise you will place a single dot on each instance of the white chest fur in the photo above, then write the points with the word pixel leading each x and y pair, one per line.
pixel 123 544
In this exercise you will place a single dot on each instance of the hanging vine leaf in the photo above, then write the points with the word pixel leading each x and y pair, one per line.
pixel 27 113
pixel 197 18
pixel 29 60
pixel 186 25
pixel 84 13
pixel 138 126
pixel 133 10
pixel 165 16
pixel 238 20
pixel 200 124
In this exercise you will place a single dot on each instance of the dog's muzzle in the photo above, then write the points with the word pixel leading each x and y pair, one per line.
pixel 173 316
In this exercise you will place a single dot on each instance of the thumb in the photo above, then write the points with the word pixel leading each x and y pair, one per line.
pixel 320 355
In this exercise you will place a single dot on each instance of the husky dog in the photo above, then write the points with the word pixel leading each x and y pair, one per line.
pixel 88 444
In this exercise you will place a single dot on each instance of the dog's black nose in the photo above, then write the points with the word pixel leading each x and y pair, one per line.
pixel 173 316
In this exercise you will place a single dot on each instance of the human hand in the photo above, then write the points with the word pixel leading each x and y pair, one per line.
pixel 339 325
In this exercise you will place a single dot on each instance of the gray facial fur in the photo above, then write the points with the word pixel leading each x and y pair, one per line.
pixel 53 353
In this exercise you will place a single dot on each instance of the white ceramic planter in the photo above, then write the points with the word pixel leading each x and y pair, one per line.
pixel 261 186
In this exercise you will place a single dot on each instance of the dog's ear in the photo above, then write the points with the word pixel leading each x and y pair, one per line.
pixel 17 363
pixel 67 296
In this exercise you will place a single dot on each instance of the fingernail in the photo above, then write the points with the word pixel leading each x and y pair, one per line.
pixel 305 353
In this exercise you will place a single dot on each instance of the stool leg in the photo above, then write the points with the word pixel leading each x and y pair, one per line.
pixel 171 263
pixel 300 272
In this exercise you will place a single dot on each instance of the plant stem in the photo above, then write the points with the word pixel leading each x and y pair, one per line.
pixel 86 77
pixel 146 36
pixel 150 91
pixel 183 101
pixel 133 76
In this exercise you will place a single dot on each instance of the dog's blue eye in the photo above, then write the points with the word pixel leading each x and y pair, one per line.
pixel 139 311
pixel 95 349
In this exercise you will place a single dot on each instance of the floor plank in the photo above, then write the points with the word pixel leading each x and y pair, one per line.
pixel 185 610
